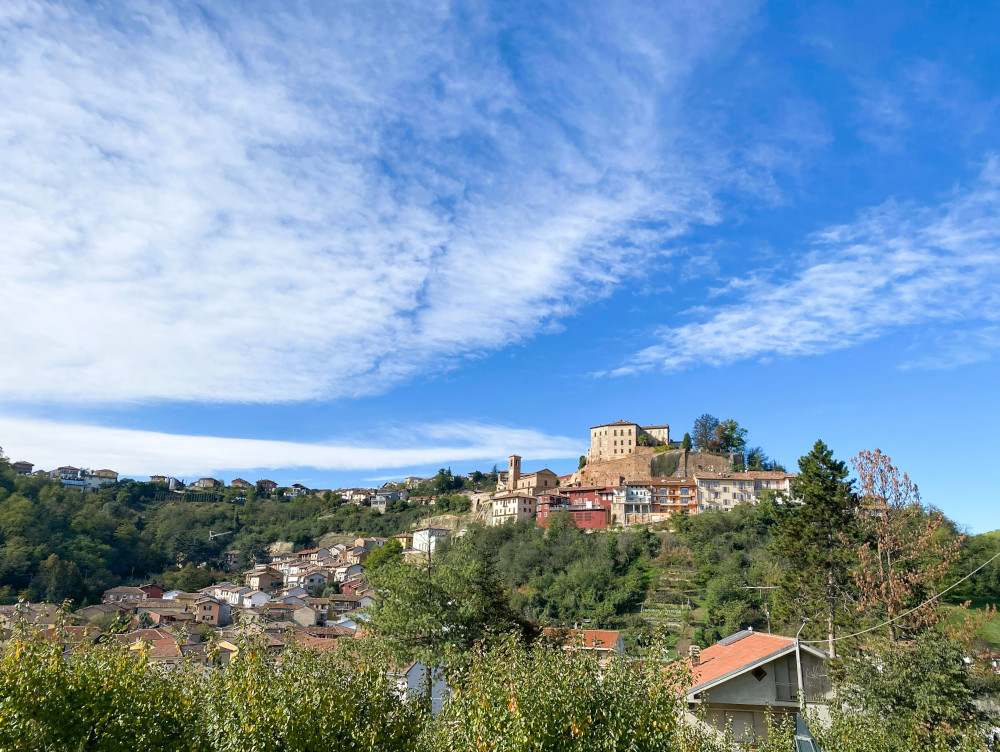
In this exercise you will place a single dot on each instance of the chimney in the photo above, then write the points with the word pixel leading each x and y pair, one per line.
pixel 694 653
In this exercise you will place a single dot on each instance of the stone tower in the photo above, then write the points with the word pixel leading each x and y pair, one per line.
pixel 513 472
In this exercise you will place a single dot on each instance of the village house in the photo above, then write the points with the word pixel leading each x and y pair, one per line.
pixel 356 555
pixel 512 508
pixel 310 579
pixel 265 485
pixel 312 554
pixel 370 543
pixel 346 572
pixel 123 594
pixel 203 483
pixel 632 504
pixel 723 491
pixel 240 483
pixel 165 480
pixel 211 611
pixel 740 680
pixel 163 606
pixel 668 496
pixel 344 602
pixel 426 538
pixel 583 517
pixel 264 579
pixel 21 467
pixel 254 599
pixel 230 560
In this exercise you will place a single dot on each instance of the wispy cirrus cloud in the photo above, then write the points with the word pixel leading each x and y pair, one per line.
pixel 897 266
pixel 223 204
pixel 138 453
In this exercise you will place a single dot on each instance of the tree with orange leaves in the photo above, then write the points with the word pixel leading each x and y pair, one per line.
pixel 908 548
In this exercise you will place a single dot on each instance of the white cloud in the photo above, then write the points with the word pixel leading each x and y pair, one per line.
pixel 225 206
pixel 897 266
pixel 139 453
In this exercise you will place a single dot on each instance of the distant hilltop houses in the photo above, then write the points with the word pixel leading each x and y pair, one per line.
pixel 633 475
pixel 83 478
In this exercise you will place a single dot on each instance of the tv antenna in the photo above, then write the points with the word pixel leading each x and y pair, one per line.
pixel 216 535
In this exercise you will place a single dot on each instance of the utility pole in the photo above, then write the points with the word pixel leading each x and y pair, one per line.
pixel 798 665
pixel 767 611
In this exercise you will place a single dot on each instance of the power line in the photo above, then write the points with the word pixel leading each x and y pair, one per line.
pixel 907 613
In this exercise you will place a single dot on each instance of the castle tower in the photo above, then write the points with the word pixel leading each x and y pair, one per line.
pixel 513 471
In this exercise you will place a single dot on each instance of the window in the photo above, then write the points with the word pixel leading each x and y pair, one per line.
pixel 785 680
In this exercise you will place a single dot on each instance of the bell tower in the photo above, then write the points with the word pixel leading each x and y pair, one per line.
pixel 513 472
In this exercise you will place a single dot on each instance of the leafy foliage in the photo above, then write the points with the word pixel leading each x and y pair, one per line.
pixel 512 697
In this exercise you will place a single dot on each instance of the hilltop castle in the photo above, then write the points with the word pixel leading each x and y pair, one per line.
pixel 612 441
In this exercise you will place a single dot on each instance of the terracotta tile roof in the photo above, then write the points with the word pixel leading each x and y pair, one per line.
pixel 749 475
pixel 327 632
pixel 319 644
pixel 165 649
pixel 153 635
pixel 590 638
pixel 740 651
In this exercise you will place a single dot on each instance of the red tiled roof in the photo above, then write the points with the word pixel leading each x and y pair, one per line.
pixel 591 638
pixel 723 659
pixel 748 475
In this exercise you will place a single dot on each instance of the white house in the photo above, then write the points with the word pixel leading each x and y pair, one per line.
pixel 254 599
pixel 426 538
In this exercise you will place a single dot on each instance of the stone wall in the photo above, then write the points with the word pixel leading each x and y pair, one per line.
pixel 646 463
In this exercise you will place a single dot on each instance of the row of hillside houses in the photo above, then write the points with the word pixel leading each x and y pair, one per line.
pixel 225 603
pixel 539 495
pixel 77 477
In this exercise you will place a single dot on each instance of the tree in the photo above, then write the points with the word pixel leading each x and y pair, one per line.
pixel 729 436
pixel 583 462
pixel 252 552
pixel 907 549
pixel 431 611
pixel 686 443
pixel 704 431
pixel 918 695
pixel 386 555
pixel 59 580
pixel 815 538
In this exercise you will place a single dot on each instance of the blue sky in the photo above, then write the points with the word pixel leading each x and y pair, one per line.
pixel 332 243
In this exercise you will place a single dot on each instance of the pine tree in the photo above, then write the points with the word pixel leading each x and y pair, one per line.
pixel 815 538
